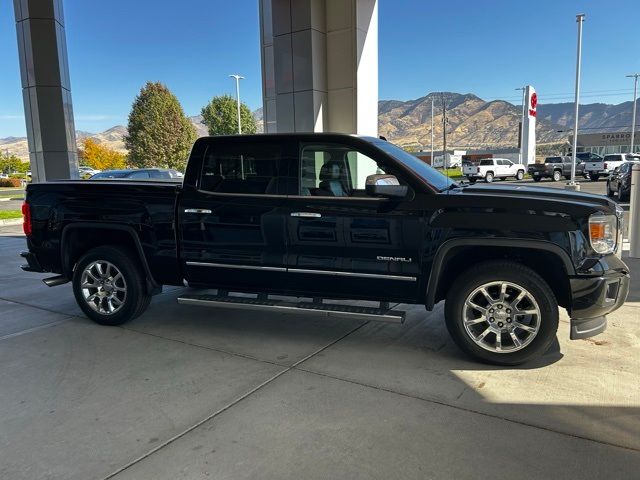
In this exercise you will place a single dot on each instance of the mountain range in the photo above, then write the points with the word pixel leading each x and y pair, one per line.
pixel 471 123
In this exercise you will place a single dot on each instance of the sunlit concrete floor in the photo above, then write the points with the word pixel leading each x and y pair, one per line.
pixel 188 392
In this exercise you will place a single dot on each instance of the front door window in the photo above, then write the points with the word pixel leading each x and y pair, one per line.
pixel 330 170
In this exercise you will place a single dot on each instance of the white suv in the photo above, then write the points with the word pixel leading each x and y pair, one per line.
pixel 490 168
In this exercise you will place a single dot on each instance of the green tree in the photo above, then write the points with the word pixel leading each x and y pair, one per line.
pixel 159 133
pixel 220 116
pixel 12 164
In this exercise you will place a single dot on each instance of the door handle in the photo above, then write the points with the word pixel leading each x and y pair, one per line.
pixel 306 214
pixel 197 210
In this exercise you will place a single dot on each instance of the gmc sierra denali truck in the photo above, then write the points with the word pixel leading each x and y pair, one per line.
pixel 329 216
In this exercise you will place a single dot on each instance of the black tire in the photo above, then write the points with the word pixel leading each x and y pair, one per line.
pixel 567 177
pixel 471 180
pixel 520 175
pixel 594 177
pixel 610 193
pixel 557 175
pixel 537 179
pixel 136 298
pixel 506 271
pixel 488 177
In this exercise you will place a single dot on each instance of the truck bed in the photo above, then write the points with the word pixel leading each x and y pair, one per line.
pixel 146 207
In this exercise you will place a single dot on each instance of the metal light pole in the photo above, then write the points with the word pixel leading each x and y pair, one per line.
pixel 431 129
pixel 444 133
pixel 524 92
pixel 238 78
pixel 572 185
pixel 633 118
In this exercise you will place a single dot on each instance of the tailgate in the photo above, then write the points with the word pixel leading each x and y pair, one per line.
pixel 593 166
pixel 536 168
pixel 470 169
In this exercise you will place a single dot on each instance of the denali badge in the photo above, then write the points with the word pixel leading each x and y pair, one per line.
pixel 393 259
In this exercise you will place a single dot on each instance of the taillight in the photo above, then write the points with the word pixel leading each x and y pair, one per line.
pixel 605 166
pixel 26 219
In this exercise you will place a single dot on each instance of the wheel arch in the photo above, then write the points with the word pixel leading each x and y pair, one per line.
pixel 456 255
pixel 72 247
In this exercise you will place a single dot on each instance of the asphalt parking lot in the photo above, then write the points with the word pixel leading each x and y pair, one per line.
pixel 189 392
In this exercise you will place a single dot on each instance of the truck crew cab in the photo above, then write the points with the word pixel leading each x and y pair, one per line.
pixel 330 216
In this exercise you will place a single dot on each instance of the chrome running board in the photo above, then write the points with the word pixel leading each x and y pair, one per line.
pixel 263 302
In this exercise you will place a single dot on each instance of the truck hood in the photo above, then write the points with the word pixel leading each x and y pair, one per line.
pixel 551 199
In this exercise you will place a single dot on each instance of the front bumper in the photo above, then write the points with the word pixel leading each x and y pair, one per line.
pixel 593 298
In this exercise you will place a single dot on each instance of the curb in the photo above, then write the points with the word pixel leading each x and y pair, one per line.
pixel 10 221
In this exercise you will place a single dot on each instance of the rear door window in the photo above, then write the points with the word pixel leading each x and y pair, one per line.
pixel 486 162
pixel 237 167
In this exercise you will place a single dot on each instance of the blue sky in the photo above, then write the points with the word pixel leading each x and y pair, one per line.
pixel 486 47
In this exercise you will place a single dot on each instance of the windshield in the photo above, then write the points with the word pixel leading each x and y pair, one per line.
pixel 109 175
pixel 426 172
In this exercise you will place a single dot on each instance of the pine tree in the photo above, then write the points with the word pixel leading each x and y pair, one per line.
pixel 159 133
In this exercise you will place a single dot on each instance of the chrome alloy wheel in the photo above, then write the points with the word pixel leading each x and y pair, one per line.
pixel 501 317
pixel 103 287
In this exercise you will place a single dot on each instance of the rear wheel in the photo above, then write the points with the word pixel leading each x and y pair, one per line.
pixel 502 312
pixel 557 175
pixel 537 179
pixel 610 193
pixel 488 177
pixel 520 175
pixel 594 177
pixel 109 286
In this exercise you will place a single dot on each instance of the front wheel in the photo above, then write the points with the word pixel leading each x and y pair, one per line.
pixel 109 285
pixel 519 175
pixel 501 312
pixel 557 176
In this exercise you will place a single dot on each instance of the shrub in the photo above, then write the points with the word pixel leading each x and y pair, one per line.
pixel 10 182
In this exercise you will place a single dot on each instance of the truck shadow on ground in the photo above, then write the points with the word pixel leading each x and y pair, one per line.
pixel 416 359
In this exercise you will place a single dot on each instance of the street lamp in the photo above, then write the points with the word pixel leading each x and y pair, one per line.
pixel 633 118
pixel 572 183
pixel 524 90
pixel 432 128
pixel 238 78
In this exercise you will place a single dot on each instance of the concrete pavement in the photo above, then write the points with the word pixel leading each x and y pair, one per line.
pixel 188 392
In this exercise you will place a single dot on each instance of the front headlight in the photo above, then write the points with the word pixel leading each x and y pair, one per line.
pixel 603 232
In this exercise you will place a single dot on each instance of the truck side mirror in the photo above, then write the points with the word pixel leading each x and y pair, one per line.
pixel 386 186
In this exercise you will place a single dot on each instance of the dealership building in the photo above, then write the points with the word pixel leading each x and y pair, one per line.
pixel 605 143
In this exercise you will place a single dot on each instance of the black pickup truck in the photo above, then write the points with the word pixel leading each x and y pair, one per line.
pixel 329 216
pixel 555 168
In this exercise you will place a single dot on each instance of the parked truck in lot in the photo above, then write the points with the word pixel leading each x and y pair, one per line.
pixel 605 166
pixel 489 169
pixel 328 216
pixel 555 168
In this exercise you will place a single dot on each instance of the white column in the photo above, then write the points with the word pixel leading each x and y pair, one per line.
pixel 46 89
pixel 529 126
pixel 320 65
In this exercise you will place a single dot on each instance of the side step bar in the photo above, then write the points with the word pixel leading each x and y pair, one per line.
pixel 383 314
